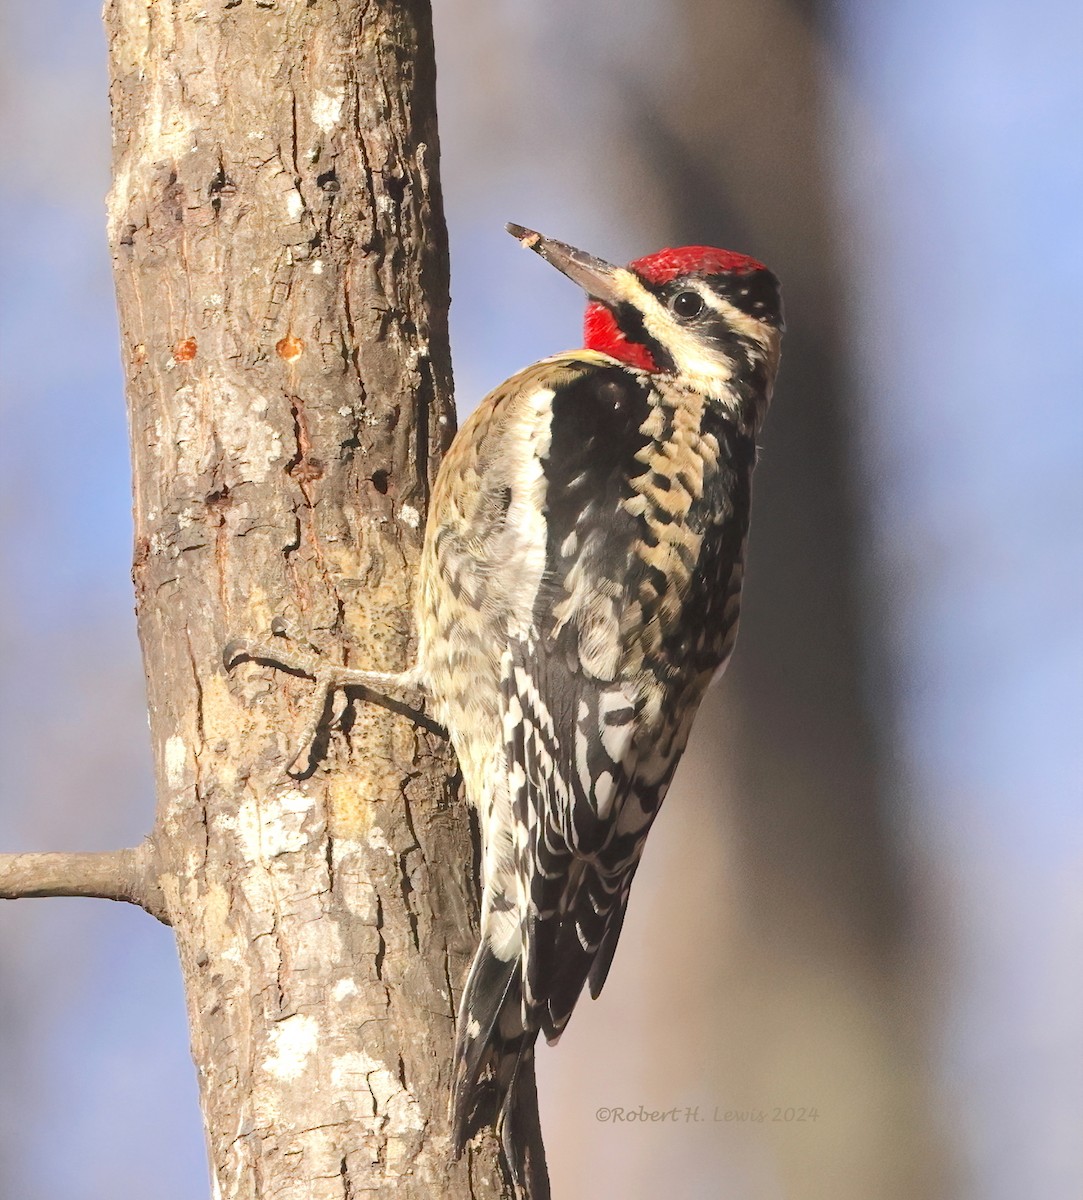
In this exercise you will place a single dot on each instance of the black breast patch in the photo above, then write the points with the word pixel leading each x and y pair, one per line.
pixel 595 437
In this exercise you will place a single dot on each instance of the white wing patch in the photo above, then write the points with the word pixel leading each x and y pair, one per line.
pixel 527 446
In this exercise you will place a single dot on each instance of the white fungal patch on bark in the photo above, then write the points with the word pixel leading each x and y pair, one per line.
pixel 184 437
pixel 343 988
pixel 293 1042
pixel 277 826
pixel 349 1071
pixel 410 515
pixel 378 840
pixel 327 108
pixel 295 205
pixel 176 759
pixel 168 133
pixel 254 444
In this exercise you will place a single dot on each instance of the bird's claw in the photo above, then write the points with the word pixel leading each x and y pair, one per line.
pixel 240 650
pixel 328 677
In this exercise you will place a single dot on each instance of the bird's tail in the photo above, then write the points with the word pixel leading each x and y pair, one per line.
pixel 492 1046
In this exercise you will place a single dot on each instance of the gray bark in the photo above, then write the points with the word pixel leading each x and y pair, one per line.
pixel 281 272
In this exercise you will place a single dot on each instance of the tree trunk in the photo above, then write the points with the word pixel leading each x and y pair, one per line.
pixel 281 272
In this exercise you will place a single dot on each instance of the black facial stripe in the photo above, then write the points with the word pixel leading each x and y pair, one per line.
pixel 630 322
pixel 717 334
pixel 755 293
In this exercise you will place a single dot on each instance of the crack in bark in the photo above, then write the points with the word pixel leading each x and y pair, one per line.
pixel 201 803
pixel 405 881
pixel 299 437
pixel 347 1182
pixel 450 988
pixel 381 950
pixel 350 344
pixel 329 857
pixel 291 547
pixel 293 137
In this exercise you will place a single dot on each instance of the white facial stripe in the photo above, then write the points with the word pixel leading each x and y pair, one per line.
pixel 737 317
pixel 627 286
pixel 766 340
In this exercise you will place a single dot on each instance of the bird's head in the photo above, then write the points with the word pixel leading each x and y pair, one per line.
pixel 710 319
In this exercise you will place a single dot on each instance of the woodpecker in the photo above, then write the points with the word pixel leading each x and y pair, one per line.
pixel 579 589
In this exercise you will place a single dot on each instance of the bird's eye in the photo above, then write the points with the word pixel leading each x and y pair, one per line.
pixel 687 304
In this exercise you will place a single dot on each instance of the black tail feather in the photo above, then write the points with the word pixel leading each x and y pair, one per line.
pixel 604 959
pixel 490 1044
pixel 520 1132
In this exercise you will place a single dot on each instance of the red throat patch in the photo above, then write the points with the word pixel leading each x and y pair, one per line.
pixel 600 332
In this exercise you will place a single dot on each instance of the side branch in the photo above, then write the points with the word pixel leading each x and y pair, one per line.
pixel 129 875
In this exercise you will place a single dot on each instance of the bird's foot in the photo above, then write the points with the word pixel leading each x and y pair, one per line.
pixel 399 691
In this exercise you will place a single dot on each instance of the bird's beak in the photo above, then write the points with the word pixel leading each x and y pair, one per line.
pixel 599 279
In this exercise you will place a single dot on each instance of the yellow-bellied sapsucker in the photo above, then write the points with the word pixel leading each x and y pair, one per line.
pixel 579 589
